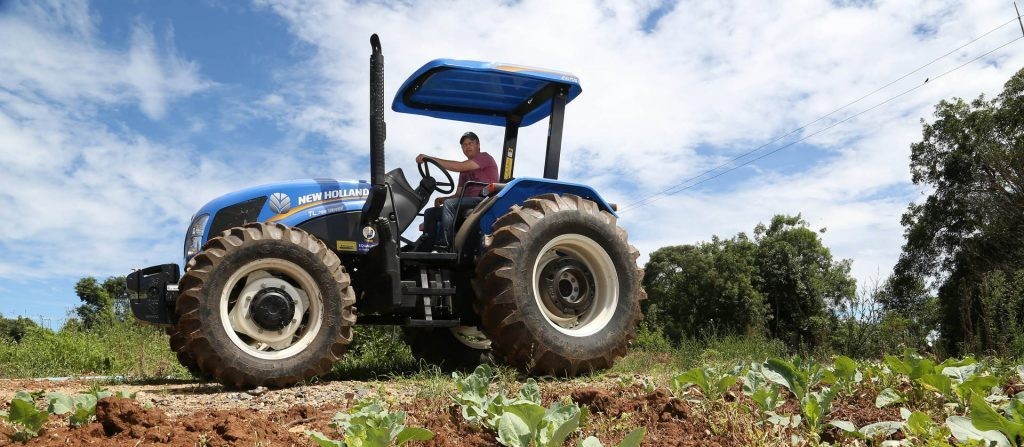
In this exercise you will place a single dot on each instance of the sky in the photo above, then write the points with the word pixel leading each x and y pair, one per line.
pixel 119 119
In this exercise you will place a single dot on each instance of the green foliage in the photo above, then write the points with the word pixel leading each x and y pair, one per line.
pixel 799 280
pixel 984 417
pixel 704 290
pixel 520 421
pixel 25 417
pixel 102 303
pixel 123 348
pixel 370 424
pixel 376 351
pixel 968 228
pixel 783 282
pixel 711 384
pixel 15 329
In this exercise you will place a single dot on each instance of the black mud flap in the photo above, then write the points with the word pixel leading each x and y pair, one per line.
pixel 153 300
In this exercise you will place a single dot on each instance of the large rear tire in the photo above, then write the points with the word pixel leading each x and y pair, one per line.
pixel 265 305
pixel 558 288
pixel 452 349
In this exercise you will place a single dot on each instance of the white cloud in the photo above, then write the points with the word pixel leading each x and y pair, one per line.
pixel 85 195
pixel 718 76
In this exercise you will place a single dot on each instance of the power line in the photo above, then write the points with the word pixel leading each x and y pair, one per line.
pixel 678 187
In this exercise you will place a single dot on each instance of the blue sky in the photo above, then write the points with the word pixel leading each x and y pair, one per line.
pixel 119 119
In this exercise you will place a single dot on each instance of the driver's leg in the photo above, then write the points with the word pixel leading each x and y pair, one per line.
pixel 448 216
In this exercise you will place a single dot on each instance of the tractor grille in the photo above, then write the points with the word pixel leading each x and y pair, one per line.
pixel 236 215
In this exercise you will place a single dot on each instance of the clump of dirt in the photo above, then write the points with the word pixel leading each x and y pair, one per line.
pixel 118 415
pixel 445 419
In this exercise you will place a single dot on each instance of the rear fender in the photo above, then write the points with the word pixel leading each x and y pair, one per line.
pixel 519 190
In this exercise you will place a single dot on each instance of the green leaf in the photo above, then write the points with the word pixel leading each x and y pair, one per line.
pixel 591 442
pixel 514 431
pixel 530 391
pixel 27 415
pixel 25 396
pixel 937 382
pixel 845 426
pixel 1020 372
pixel 920 424
pixel 882 429
pixel 559 422
pixel 634 438
pixel 694 377
pixel 845 368
pixel 961 373
pixel 723 384
pixel 59 403
pixel 322 440
pixel 985 418
pixel 788 373
pixel 963 430
pixel 413 434
pixel 896 365
pixel 888 397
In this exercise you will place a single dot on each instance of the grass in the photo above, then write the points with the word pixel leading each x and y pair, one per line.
pixel 123 349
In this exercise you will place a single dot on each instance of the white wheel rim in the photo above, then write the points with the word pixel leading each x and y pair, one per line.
pixel 250 337
pixel 606 284
pixel 471 337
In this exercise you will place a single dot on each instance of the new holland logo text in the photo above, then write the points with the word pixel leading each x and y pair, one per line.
pixel 333 194
pixel 280 202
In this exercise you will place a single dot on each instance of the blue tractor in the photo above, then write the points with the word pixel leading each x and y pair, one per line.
pixel 538 275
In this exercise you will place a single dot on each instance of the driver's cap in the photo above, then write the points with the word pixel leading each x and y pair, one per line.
pixel 470 135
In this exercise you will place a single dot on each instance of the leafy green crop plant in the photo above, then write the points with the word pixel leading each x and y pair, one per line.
pixel 711 384
pixel 519 421
pixel 25 417
pixel 370 424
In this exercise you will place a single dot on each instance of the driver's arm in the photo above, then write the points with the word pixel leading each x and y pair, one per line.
pixel 451 165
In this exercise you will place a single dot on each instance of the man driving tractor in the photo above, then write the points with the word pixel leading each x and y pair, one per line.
pixel 478 167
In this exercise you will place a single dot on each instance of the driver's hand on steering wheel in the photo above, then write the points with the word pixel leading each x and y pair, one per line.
pixel 420 157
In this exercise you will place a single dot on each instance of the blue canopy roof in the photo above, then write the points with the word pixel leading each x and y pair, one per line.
pixel 482 92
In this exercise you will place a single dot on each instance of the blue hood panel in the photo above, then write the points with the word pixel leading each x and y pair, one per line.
pixel 296 201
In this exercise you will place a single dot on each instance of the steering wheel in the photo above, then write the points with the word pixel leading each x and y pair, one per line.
pixel 441 187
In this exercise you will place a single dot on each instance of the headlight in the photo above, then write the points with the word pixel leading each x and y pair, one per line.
pixel 194 237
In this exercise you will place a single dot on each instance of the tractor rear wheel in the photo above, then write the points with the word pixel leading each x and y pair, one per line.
pixel 265 305
pixel 558 288
pixel 457 348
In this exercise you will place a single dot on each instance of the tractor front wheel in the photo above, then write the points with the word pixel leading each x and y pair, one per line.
pixel 265 305
pixel 558 288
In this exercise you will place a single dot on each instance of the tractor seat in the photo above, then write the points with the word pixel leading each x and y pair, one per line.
pixel 408 201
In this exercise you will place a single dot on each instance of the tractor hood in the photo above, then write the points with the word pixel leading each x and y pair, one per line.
pixel 289 203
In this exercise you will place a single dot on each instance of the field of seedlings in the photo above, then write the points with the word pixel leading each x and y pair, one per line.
pixel 902 401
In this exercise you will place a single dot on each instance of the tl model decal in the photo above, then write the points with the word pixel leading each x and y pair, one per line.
pixel 280 203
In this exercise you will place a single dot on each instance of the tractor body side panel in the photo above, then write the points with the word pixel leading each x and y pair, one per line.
pixel 520 189
pixel 293 203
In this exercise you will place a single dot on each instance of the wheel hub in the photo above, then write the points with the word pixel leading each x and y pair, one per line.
pixel 272 309
pixel 567 287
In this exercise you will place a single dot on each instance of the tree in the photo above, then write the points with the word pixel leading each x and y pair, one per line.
pixel 15 329
pixel 704 289
pixel 783 283
pixel 799 279
pixel 972 223
pixel 102 303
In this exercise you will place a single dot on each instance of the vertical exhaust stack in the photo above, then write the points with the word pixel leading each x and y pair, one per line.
pixel 378 129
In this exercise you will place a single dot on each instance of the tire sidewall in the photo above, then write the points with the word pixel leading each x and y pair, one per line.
pixel 627 308
pixel 213 327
